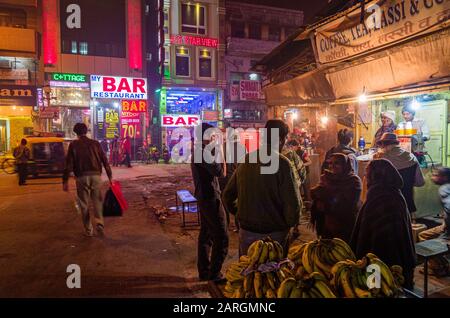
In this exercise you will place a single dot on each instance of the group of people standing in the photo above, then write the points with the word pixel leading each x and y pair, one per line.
pixel 119 151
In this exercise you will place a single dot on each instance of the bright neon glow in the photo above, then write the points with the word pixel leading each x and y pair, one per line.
pixel 134 34
pixel 194 41
pixel 324 120
pixel 362 98
pixel 49 30
pixel 415 105
pixel 295 116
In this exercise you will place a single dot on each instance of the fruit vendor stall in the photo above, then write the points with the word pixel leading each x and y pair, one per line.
pixel 318 269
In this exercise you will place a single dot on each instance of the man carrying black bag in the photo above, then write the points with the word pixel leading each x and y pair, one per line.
pixel 86 159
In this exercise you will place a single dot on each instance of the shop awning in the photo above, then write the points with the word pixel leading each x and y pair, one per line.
pixel 424 60
pixel 309 88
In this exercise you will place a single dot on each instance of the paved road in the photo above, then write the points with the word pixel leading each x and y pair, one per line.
pixel 41 234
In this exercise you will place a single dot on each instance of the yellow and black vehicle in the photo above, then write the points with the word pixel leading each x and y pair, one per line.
pixel 47 155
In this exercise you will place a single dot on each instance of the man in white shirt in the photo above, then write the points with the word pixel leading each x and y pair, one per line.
pixel 410 122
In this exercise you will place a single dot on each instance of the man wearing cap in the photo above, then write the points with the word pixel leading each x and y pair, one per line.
pixel 411 122
pixel 406 164
pixel 388 126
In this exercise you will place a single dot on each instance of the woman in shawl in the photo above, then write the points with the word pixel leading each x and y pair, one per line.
pixel 336 199
pixel 406 164
pixel 383 225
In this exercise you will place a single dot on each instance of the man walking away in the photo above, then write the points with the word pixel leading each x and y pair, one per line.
pixel 22 155
pixel 213 237
pixel 267 204
pixel 86 158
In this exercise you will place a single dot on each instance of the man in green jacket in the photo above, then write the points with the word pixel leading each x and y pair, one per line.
pixel 265 204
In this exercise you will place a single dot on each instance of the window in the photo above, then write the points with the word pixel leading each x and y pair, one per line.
pixel 74 49
pixel 15 18
pixel 83 48
pixel 238 29
pixel 254 31
pixel 182 62
pixel 93 48
pixel 193 18
pixel 274 34
pixel 205 63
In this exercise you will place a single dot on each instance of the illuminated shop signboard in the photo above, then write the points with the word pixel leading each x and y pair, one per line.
pixel 180 120
pixel 69 77
pixel 189 102
pixel 112 87
pixel 194 41
pixel 68 80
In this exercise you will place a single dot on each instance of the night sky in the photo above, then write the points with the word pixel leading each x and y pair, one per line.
pixel 310 7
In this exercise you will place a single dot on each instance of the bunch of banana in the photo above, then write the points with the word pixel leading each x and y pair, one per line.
pixel 352 279
pixel 263 251
pixel 313 285
pixel 244 280
pixel 321 255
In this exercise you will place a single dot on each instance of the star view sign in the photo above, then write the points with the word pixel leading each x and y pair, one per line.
pixel 194 41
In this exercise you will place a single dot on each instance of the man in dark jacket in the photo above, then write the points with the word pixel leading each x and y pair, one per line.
pixel 213 236
pixel 22 155
pixel 345 139
pixel 86 159
pixel 383 225
pixel 267 204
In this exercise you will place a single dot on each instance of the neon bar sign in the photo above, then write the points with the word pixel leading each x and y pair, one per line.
pixel 194 41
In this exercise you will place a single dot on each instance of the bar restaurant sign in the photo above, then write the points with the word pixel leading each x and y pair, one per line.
pixel 386 22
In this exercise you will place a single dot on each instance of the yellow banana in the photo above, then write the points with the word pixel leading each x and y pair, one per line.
pixel 386 290
pixel 248 282
pixel 314 293
pixel 325 269
pixel 271 280
pixel 270 294
pixel 307 259
pixel 244 259
pixel 279 249
pixel 346 283
pixel 258 285
pixel 273 255
pixel 254 257
pixel 286 288
pixel 344 246
pixel 323 289
pixel 385 271
pixel 264 254
pixel 296 293
pixel 240 293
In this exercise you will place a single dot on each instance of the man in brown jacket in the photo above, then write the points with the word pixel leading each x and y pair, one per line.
pixel 86 158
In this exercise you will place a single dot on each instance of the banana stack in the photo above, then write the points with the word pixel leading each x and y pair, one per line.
pixel 305 285
pixel 320 255
pixel 245 279
pixel 354 279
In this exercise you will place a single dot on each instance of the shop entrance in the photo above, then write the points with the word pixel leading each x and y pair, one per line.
pixel 435 115
pixel 3 136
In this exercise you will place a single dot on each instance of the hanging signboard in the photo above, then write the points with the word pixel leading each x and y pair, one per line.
pixel 14 74
pixel 130 119
pixel 180 120
pixel 194 41
pixel 385 23
pixel 250 90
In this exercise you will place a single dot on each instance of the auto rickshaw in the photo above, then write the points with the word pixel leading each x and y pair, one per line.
pixel 47 155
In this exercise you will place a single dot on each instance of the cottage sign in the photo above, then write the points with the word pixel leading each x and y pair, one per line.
pixel 386 22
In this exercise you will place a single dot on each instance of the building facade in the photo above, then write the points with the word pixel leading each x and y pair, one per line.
pixel 194 79
pixel 251 32
pixel 95 73
pixel 19 70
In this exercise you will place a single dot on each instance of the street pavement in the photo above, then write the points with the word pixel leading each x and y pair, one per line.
pixel 140 256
